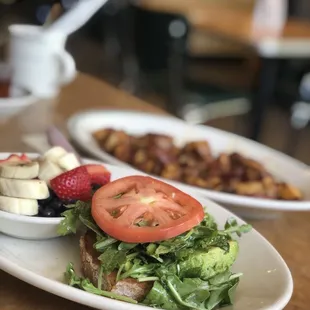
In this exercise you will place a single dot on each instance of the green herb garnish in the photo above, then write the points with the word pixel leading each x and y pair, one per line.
pixel 73 280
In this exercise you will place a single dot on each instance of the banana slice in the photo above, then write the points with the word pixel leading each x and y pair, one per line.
pixel 30 189
pixel 55 153
pixel 19 170
pixel 68 162
pixel 49 170
pixel 19 205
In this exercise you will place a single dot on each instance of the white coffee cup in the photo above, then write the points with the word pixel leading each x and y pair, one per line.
pixel 38 60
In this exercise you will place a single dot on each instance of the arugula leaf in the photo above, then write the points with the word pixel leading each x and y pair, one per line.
pixel 231 293
pixel 220 278
pixel 214 299
pixel 71 221
pixel 103 243
pixel 232 226
pixel 70 277
pixel 112 258
pixel 158 297
pixel 222 295
pixel 126 246
pixel 190 285
pixel 173 288
pixel 73 280
pixel 209 222
pixel 90 224
pixel 139 270
pixel 193 293
pixel 198 296
pixel 69 224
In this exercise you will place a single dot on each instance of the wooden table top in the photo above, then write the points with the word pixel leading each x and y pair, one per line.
pixel 289 233
pixel 229 20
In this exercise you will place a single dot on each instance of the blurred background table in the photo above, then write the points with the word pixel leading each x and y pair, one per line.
pixel 217 68
pixel 289 233
pixel 233 22
pixel 85 93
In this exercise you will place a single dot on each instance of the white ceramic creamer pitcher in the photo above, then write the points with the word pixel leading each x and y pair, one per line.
pixel 38 60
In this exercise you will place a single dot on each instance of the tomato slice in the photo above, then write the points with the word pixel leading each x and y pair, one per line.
pixel 140 209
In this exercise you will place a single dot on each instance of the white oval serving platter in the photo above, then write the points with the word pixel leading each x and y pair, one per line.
pixel 266 284
pixel 82 125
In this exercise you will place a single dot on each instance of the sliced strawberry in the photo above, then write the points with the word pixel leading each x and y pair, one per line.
pixel 24 157
pixel 15 158
pixel 98 174
pixel 74 184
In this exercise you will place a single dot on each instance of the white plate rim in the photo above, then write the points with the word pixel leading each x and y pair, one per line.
pixel 54 287
pixel 232 199
pixel 70 293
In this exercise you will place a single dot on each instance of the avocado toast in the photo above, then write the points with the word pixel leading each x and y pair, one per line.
pixel 187 268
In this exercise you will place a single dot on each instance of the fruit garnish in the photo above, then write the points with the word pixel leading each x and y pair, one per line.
pixel 73 184
pixel 24 157
pixel 15 157
pixel 99 175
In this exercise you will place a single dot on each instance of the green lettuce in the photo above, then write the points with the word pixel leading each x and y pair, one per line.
pixel 72 219
pixel 193 293
pixel 190 271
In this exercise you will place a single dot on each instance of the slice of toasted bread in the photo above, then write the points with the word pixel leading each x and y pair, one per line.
pixel 91 266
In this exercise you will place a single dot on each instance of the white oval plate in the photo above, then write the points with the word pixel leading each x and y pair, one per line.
pixel 283 167
pixel 266 284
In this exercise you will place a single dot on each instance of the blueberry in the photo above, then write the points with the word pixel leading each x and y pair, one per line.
pixel 47 212
pixel 45 202
pixel 56 204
